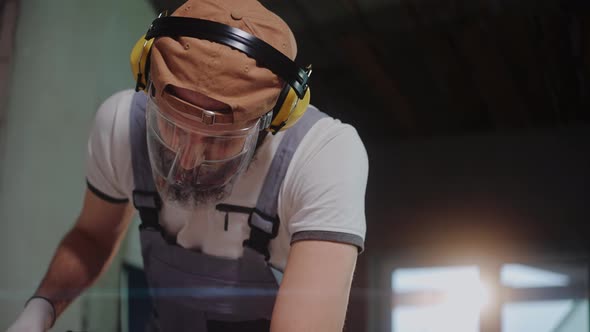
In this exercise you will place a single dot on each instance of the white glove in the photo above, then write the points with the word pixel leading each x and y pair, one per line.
pixel 37 316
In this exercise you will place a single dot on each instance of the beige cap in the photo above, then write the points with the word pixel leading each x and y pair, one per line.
pixel 216 70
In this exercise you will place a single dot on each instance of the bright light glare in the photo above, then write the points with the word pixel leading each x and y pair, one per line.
pixel 517 275
pixel 474 294
pixel 464 295
pixel 432 278
pixel 461 296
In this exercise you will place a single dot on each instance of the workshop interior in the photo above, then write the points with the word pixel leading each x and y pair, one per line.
pixel 475 116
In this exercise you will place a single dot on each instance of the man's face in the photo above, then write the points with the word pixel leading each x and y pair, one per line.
pixel 196 160
pixel 196 147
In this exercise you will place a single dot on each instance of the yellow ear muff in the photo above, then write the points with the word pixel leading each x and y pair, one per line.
pixel 291 110
pixel 139 57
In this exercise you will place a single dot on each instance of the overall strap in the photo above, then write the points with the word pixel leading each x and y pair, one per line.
pixel 145 197
pixel 264 221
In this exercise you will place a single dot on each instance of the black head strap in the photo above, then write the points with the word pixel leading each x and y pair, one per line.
pixel 266 55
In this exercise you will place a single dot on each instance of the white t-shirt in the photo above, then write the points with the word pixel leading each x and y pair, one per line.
pixel 322 196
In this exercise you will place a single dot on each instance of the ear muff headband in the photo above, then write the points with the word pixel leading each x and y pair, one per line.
pixel 294 97
pixel 266 55
pixel 140 60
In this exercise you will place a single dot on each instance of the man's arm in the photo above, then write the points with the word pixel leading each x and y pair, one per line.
pixel 315 288
pixel 86 250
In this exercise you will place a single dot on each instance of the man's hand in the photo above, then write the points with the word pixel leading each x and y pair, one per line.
pixel 37 316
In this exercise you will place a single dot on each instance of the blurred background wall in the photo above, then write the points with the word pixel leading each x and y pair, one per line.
pixel 67 57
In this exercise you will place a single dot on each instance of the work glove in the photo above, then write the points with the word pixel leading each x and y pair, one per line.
pixel 37 316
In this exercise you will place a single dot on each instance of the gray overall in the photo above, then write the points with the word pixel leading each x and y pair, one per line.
pixel 195 292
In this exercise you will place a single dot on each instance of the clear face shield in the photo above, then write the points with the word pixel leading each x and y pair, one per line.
pixel 191 159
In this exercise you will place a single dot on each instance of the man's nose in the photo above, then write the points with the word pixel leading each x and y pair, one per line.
pixel 193 155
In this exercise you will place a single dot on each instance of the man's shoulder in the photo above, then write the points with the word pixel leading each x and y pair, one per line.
pixel 109 140
pixel 117 102
pixel 331 122
pixel 113 114
pixel 330 132
pixel 108 156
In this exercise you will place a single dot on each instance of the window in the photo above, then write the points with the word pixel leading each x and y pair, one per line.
pixel 539 298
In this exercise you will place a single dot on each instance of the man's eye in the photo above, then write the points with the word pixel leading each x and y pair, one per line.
pixel 173 139
pixel 230 146
pixel 225 143
pixel 166 158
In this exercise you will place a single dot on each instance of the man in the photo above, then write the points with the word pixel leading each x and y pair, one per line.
pixel 241 231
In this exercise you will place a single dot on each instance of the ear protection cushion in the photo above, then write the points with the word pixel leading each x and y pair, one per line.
pixel 290 109
pixel 139 60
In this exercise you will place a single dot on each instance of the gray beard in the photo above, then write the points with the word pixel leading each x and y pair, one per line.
pixel 189 196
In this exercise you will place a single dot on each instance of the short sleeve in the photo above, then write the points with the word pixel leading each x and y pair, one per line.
pixel 323 195
pixel 108 160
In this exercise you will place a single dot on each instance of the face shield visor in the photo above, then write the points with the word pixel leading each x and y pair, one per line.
pixel 190 158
